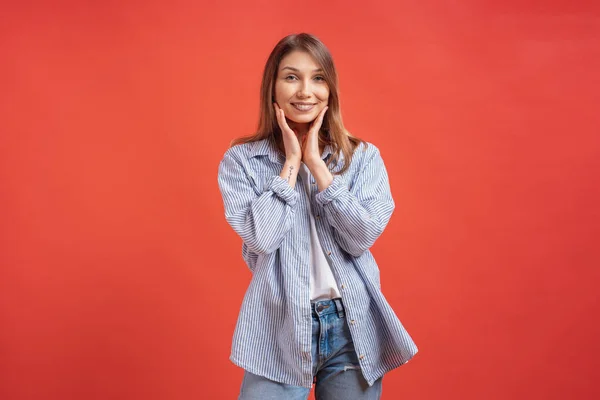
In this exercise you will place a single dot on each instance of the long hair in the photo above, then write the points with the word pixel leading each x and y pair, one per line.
pixel 332 130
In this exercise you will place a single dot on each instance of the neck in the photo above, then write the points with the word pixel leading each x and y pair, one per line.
pixel 300 129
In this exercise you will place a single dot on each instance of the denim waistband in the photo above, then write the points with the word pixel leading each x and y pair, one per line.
pixel 325 307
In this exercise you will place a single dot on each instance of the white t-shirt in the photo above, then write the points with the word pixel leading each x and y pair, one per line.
pixel 322 282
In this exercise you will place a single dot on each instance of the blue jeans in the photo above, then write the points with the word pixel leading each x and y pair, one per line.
pixel 335 364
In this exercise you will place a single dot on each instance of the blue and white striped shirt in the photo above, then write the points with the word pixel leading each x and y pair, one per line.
pixel 273 334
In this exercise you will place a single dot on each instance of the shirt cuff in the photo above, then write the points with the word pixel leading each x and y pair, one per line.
pixel 282 189
pixel 333 191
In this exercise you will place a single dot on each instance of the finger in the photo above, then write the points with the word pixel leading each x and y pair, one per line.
pixel 283 123
pixel 280 117
pixel 316 125
pixel 322 115
pixel 276 111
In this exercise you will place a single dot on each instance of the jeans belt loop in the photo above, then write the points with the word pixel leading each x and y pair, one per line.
pixel 339 307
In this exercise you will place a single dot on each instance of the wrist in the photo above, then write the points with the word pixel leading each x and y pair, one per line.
pixel 313 162
pixel 322 174
pixel 295 161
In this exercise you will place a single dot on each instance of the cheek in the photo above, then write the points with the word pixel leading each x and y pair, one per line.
pixel 277 90
pixel 281 94
pixel 323 94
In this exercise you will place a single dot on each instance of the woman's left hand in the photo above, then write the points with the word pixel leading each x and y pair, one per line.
pixel 310 143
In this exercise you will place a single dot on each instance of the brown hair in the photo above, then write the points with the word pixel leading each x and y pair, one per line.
pixel 332 130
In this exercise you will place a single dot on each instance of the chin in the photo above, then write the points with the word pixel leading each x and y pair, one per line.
pixel 305 117
pixel 303 120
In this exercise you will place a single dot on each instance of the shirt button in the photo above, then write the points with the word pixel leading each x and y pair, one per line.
pixel 352 321
pixel 362 356
pixel 318 216
pixel 328 253
pixel 343 286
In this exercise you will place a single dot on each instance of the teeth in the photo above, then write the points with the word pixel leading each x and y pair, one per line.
pixel 304 106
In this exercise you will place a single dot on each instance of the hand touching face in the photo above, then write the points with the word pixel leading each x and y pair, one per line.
pixel 308 151
pixel 310 142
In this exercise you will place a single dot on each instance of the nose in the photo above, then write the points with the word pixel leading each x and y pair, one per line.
pixel 304 90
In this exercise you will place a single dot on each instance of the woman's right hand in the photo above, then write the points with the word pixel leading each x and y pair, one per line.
pixel 293 151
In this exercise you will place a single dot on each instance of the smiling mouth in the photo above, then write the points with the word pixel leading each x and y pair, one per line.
pixel 303 107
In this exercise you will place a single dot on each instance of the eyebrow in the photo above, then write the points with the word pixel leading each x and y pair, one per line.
pixel 297 70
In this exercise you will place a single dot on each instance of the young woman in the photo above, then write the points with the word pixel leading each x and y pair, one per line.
pixel 308 200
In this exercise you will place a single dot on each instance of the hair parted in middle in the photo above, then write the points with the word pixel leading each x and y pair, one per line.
pixel 332 131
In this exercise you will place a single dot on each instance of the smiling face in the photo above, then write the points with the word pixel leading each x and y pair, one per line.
pixel 300 89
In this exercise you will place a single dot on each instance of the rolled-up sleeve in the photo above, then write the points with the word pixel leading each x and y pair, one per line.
pixel 359 215
pixel 262 221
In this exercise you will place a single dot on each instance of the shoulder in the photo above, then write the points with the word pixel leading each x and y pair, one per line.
pixel 364 152
pixel 240 151
pixel 367 147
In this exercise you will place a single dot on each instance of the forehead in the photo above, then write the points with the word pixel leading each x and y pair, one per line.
pixel 300 60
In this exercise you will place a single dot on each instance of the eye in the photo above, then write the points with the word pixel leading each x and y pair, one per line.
pixel 319 78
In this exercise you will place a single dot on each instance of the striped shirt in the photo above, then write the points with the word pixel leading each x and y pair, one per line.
pixel 273 334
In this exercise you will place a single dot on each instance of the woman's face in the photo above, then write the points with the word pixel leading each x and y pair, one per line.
pixel 300 88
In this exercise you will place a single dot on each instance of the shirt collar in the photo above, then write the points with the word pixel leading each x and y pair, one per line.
pixel 265 147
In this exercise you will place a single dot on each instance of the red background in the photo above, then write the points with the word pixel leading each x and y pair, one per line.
pixel 120 278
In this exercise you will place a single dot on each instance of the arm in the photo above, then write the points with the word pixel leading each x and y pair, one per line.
pixel 262 221
pixel 360 215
